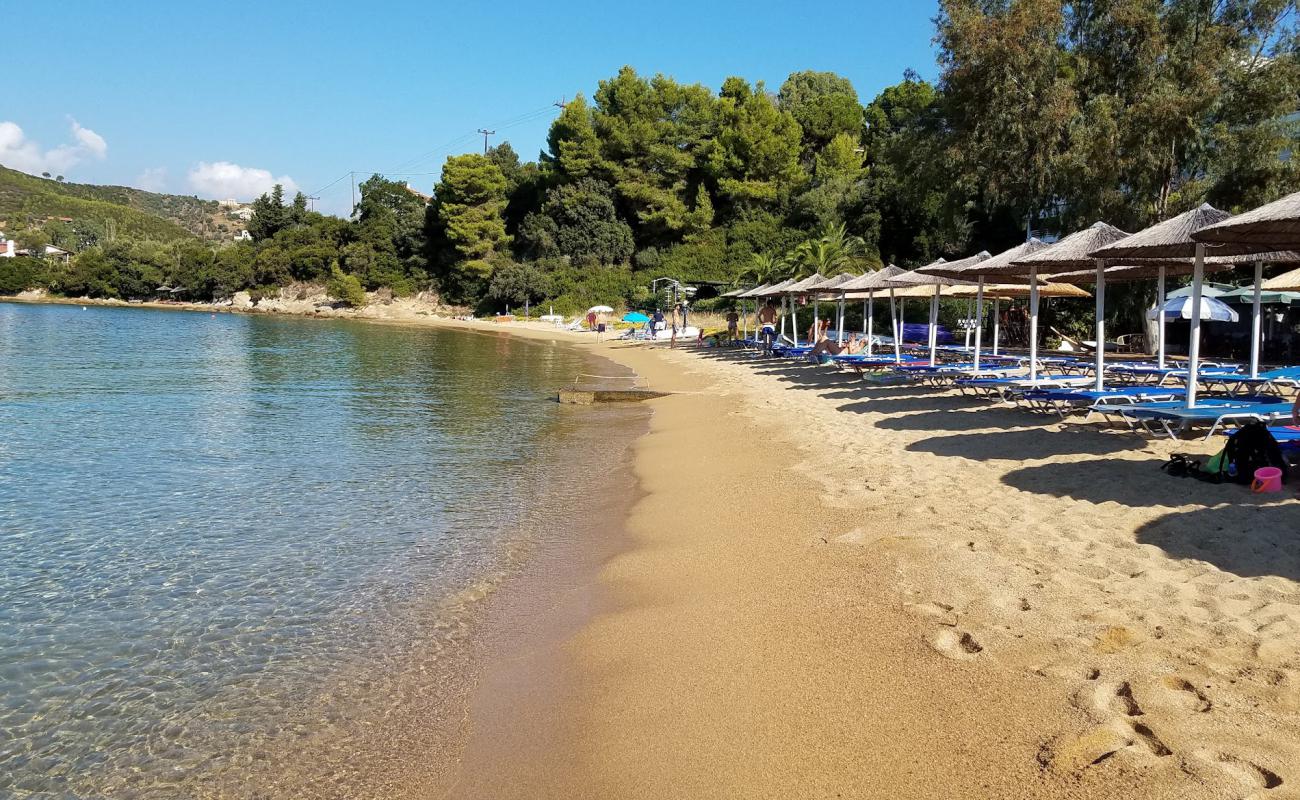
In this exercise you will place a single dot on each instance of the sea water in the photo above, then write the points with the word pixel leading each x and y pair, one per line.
pixel 223 537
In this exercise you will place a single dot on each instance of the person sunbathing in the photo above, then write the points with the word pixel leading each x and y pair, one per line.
pixel 829 347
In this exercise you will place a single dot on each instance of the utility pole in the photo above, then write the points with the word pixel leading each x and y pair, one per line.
pixel 486 133
pixel 563 102
pixel 353 211
pixel 312 199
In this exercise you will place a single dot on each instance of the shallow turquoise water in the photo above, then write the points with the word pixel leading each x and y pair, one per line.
pixel 205 520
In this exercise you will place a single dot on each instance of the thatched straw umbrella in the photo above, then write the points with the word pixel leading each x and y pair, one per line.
pixel 830 286
pixel 977 268
pixel 1271 227
pixel 800 287
pixel 1070 253
pixel 1286 282
pixel 870 283
pixel 747 294
pixel 1173 239
pixel 919 278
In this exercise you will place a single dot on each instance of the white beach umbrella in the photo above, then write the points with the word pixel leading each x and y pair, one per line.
pixel 600 310
pixel 1212 310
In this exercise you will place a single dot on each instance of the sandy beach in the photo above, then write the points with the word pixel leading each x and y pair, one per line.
pixel 826 588
pixel 839 590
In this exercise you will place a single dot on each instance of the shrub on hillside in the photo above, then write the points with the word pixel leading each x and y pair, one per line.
pixel 346 288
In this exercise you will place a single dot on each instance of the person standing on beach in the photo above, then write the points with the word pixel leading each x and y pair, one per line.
pixel 733 326
pixel 591 320
pixel 767 326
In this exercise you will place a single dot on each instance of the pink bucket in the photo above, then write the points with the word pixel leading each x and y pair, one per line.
pixel 1267 479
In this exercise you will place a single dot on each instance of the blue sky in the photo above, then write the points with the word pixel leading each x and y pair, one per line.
pixel 219 100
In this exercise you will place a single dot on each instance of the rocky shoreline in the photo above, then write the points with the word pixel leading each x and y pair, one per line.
pixel 299 301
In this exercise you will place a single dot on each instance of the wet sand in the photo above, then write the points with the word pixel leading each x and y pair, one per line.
pixel 834 589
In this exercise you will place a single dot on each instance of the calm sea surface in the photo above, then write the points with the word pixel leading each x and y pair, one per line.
pixel 220 535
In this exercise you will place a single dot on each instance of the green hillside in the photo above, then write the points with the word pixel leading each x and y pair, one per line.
pixel 26 200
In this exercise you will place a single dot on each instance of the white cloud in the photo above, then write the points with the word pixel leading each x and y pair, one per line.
pixel 21 153
pixel 153 179
pixel 222 179
pixel 91 141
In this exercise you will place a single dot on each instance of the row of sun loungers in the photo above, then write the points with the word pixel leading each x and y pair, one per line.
pixel 1141 396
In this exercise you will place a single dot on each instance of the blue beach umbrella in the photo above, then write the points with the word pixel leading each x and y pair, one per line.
pixel 1212 310
pixel 635 316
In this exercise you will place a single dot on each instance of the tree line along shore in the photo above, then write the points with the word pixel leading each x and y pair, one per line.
pixel 1045 117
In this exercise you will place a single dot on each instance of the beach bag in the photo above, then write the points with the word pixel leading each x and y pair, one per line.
pixel 1249 449
pixel 1180 466
pixel 1214 470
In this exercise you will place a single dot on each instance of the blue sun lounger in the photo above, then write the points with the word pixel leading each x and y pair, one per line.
pixel 1011 388
pixel 1067 401
pixel 1273 381
pixel 1175 418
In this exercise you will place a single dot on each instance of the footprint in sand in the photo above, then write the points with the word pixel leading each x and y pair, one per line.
pixel 1186 694
pixel 1104 700
pixel 956 644
pixel 1247 775
pixel 1101 743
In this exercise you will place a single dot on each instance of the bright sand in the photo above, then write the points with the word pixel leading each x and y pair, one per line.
pixel 838 590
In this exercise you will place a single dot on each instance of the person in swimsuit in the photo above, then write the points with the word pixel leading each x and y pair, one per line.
pixel 767 326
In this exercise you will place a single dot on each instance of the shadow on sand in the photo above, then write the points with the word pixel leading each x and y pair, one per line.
pixel 1131 482
pixel 1024 445
pixel 1243 538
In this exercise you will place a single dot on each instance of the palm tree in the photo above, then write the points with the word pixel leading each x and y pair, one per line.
pixel 764 268
pixel 835 250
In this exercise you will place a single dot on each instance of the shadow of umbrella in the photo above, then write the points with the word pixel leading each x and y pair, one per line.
pixel 1024 445
pixel 1245 539
pixel 1138 483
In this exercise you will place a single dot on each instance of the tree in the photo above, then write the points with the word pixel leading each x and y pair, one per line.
pixel 467 224
pixel 755 156
pixel 652 136
pixel 573 149
pixel 269 215
pixel 516 282
pixel 346 288
pixel 833 252
pixel 578 221
pixel 824 104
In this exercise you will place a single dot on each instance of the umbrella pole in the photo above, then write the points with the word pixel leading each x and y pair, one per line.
pixel 1160 332
pixel 817 315
pixel 996 320
pixel 839 333
pixel 1101 323
pixel 1255 321
pixel 1033 323
pixel 934 324
pixel 966 346
pixel 1194 347
pixel 979 320
pixel 868 321
pixel 895 318
pixel 794 322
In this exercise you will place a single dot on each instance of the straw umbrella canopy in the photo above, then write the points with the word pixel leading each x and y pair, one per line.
pixel 1008 291
pixel 1173 238
pixel 1072 253
pixel 830 287
pixel 1271 227
pixel 977 267
pixel 1286 282
pixel 938 282
pixel 864 288
pixel 799 287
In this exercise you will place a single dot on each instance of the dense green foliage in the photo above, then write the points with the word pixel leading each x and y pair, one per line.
pixel 97 213
pixel 1047 115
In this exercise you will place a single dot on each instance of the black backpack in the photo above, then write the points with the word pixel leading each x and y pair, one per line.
pixel 1250 448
